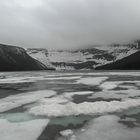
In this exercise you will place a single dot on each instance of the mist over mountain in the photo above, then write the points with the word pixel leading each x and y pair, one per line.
pixel 71 34
pixel 68 24
pixel 83 59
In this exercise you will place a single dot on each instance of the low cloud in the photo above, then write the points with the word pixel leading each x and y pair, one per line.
pixel 66 24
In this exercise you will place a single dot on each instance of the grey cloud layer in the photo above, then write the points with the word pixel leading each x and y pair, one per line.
pixel 68 23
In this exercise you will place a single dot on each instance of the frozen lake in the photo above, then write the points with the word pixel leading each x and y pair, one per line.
pixel 70 105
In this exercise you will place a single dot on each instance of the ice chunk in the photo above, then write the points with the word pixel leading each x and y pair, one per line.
pixel 109 85
pixel 24 79
pixel 29 130
pixel 64 78
pixel 108 128
pixel 54 109
pixel 14 101
pixel 118 94
pixel 113 84
pixel 66 133
pixel 93 81
pixel 70 94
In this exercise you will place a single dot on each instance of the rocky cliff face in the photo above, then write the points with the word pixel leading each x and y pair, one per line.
pixel 14 58
pixel 131 62
pixel 41 55
pixel 83 58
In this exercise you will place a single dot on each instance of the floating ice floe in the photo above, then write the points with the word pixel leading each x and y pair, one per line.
pixel 64 78
pixel 125 73
pixel 24 79
pixel 14 80
pixel 66 133
pixel 14 101
pixel 29 130
pixel 116 94
pixel 108 128
pixel 115 73
pixel 108 85
pixel 114 84
pixel 69 95
pixel 93 81
pixel 55 109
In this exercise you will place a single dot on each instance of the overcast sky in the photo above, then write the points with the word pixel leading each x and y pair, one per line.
pixel 65 24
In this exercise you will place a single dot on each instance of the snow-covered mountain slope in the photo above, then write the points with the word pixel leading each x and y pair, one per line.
pixel 14 58
pixel 83 58
pixel 40 55
pixel 131 62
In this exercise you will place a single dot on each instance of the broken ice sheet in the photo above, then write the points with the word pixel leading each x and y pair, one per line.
pixel 29 130
pixel 108 128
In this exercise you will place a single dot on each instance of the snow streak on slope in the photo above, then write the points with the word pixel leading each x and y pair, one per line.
pixel 40 55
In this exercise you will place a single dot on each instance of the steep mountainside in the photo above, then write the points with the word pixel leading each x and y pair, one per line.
pixel 16 59
pixel 41 55
pixel 83 58
pixel 131 62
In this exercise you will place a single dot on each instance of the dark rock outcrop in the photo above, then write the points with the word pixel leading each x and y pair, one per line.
pixel 14 58
pixel 131 62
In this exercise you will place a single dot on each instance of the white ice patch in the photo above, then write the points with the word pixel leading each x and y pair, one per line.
pixel 55 109
pixel 114 84
pixel 125 73
pixel 64 78
pixel 69 95
pixel 55 100
pixel 15 80
pixel 118 94
pixel 108 128
pixel 24 79
pixel 115 73
pixel 14 101
pixel 93 81
pixel 108 85
pixel 27 79
pixel 66 133
pixel 29 130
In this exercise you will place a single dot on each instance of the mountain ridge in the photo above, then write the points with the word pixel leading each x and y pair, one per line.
pixel 79 59
pixel 13 58
pixel 131 62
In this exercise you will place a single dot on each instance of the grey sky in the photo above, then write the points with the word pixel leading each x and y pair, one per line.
pixel 65 24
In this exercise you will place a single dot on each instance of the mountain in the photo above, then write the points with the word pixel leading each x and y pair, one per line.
pixel 79 59
pixel 131 62
pixel 14 58
pixel 41 55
